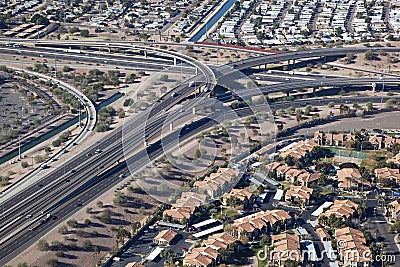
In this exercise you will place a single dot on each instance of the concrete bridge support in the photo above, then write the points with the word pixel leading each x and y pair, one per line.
pixel 314 90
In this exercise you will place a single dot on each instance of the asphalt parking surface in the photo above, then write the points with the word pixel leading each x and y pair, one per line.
pixel 144 245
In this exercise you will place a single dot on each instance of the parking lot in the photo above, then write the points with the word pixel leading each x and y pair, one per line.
pixel 144 245
pixel 20 112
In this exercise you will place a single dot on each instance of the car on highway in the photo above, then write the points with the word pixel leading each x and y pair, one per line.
pixel 98 151
pixel 173 94
pixel 121 175
pixel 28 216
pixel 88 154
pixel 43 166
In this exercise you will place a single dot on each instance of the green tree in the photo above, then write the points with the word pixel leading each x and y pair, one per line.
pixel 106 216
pixel 43 245
pixel 67 69
pixel 52 262
pixel 369 55
pixel 63 230
pixel 74 30
pixel 87 245
pixel 84 33
pixel 120 198
pixel 123 233
pixel 73 223
pixel 24 164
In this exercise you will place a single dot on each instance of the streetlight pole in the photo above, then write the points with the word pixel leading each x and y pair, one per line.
pixel 80 116
pixel 19 146
pixel 383 86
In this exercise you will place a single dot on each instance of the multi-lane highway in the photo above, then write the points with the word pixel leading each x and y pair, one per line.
pixel 315 53
pixel 70 202
pixel 134 60
pixel 84 168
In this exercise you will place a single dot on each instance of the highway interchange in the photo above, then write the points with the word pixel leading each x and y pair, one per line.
pixel 53 194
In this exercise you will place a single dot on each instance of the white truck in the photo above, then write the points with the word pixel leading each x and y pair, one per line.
pixel 72 50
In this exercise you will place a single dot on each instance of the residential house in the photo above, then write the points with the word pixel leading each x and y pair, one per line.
pixel 350 137
pixel 352 248
pixel 209 253
pixel 292 174
pixel 351 179
pixel 165 237
pixel 338 139
pixel 390 142
pixel 197 260
pixel 299 195
pixel 190 199
pixel 329 139
pixel 306 178
pixel 376 141
pixel 217 183
pixel 323 234
pixel 272 167
pixel 395 159
pixel 219 241
pixel 299 150
pixel 273 218
pixel 319 138
pixel 241 228
pixel 179 215
pixel 286 247
pixel 386 175
pixel 244 197
pixel 343 209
